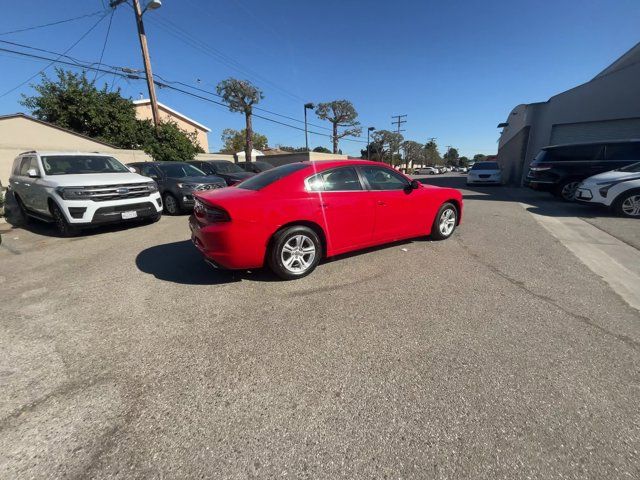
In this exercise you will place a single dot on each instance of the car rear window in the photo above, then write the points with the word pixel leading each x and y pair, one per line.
pixel 265 179
pixel 623 151
pixel 573 153
pixel 485 166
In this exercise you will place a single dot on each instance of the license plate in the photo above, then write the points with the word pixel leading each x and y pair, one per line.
pixel 128 215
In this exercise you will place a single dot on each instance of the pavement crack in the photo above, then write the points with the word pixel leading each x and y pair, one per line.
pixel 627 340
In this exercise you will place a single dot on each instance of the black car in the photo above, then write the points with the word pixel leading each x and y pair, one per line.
pixel 177 181
pixel 231 172
pixel 255 167
pixel 560 169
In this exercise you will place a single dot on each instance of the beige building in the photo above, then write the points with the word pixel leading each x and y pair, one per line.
pixel 143 112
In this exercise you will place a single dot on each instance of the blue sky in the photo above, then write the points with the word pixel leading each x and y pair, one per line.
pixel 456 68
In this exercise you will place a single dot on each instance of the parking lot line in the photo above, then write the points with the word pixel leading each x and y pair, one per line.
pixel 615 261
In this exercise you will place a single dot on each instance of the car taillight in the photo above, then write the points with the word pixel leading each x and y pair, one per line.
pixel 540 167
pixel 209 214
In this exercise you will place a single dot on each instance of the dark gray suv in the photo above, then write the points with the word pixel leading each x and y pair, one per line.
pixel 177 181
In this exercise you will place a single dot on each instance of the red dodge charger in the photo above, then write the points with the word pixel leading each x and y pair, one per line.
pixel 290 217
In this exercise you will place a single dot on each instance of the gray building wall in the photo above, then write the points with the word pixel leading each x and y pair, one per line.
pixel 605 108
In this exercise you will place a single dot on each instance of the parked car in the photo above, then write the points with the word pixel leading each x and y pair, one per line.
pixel 77 190
pixel 231 172
pixel 463 169
pixel 177 181
pixel 255 167
pixel 560 169
pixel 485 173
pixel 618 190
pixel 291 216
pixel 425 171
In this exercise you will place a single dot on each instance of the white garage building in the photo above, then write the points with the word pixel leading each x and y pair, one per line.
pixel 605 108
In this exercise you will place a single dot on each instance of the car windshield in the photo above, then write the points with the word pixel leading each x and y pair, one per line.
pixel 265 179
pixel 180 170
pixel 226 167
pixel 633 168
pixel 486 166
pixel 80 164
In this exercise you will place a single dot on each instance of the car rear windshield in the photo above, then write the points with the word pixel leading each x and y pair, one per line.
pixel 485 166
pixel 226 167
pixel 181 170
pixel 265 179
pixel 79 164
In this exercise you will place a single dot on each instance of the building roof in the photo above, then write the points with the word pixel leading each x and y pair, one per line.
pixel 162 106
pixel 62 129
pixel 631 57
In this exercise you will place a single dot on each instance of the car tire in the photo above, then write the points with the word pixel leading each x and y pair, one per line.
pixel 171 204
pixel 567 190
pixel 62 225
pixel 294 252
pixel 22 217
pixel 445 222
pixel 628 204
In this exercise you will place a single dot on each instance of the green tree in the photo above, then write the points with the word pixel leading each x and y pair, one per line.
pixel 384 144
pixel 233 141
pixel 292 149
pixel 451 157
pixel 241 96
pixel 431 154
pixel 168 142
pixel 322 150
pixel 73 102
pixel 413 153
pixel 479 157
pixel 463 161
pixel 341 114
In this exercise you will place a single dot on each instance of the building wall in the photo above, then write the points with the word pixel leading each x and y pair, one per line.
pixel 286 158
pixel 143 112
pixel 610 97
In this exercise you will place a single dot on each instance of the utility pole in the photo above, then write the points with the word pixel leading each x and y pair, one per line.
pixel 399 120
pixel 310 106
pixel 145 52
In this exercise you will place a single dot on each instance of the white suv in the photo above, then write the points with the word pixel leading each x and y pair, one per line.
pixel 75 190
pixel 618 189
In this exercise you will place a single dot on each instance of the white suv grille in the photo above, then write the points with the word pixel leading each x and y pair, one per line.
pixel 103 193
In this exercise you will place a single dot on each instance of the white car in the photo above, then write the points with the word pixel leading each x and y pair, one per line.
pixel 74 190
pixel 618 189
pixel 425 171
pixel 484 173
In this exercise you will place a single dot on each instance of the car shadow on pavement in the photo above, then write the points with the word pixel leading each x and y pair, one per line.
pixel 181 262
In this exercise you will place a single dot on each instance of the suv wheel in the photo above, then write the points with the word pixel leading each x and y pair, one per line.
pixel 295 252
pixel 171 205
pixel 62 225
pixel 628 204
pixel 567 190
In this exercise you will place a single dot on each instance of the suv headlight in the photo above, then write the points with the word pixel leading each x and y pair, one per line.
pixel 72 193
pixel 187 186
pixel 153 187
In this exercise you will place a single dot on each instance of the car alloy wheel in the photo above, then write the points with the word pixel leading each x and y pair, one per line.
pixel 568 191
pixel 630 206
pixel 171 204
pixel 447 221
pixel 298 253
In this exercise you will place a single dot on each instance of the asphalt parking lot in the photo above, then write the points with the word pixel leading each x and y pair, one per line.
pixel 498 353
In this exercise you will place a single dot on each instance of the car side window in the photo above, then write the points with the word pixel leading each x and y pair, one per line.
pixel 380 178
pixel 148 171
pixel 206 168
pixel 27 164
pixel 623 151
pixel 337 180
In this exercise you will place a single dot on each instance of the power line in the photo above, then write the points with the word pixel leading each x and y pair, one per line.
pixel 53 23
pixel 104 45
pixel 55 60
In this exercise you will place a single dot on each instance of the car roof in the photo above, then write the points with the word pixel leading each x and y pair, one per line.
pixel 603 142
pixel 67 153
pixel 344 163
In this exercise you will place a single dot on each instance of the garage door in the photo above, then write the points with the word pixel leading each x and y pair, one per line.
pixel 595 131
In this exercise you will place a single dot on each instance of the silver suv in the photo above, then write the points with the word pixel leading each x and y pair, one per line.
pixel 75 190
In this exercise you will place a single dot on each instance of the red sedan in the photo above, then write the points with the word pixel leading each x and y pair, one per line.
pixel 290 217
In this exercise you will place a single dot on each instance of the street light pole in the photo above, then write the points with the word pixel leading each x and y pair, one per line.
pixel 306 133
pixel 370 129
pixel 145 56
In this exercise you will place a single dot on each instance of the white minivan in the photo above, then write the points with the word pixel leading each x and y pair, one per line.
pixel 75 190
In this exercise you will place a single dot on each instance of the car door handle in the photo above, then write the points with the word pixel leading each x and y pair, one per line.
pixel 381 203
pixel 324 205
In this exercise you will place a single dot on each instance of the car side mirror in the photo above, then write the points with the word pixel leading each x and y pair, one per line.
pixel 33 173
pixel 415 184
pixel 132 170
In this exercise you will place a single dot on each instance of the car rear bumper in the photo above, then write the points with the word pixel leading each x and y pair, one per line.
pixel 541 185
pixel 229 245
